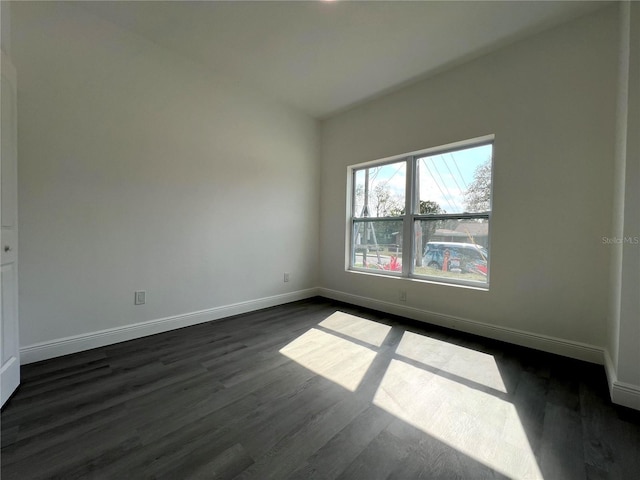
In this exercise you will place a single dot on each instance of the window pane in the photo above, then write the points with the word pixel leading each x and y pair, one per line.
pixel 455 182
pixel 453 249
pixel 380 191
pixel 377 245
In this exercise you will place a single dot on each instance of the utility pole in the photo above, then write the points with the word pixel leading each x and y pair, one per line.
pixel 365 213
pixel 368 225
pixel 418 227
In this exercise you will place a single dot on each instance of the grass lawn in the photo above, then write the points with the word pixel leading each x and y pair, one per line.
pixel 433 272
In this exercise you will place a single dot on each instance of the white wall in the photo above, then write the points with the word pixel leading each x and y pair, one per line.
pixel 550 101
pixel 623 346
pixel 629 359
pixel 5 27
pixel 140 171
pixel 617 212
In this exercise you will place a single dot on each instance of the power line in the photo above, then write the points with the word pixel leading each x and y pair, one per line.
pixel 452 175
pixel 437 184
pixel 394 174
pixel 458 168
pixel 456 208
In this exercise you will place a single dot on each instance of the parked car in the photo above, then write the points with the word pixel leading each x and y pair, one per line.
pixel 461 257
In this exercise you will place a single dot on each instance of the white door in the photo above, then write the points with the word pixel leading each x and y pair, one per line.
pixel 9 343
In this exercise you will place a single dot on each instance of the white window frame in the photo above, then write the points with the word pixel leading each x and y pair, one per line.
pixel 410 217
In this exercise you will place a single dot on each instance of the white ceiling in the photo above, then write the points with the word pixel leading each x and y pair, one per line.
pixel 323 57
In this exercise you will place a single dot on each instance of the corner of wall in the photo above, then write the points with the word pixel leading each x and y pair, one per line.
pixel 621 393
pixel 621 355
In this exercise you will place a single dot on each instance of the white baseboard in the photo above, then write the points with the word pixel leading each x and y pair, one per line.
pixel 87 341
pixel 626 394
pixel 567 348
pixel 609 370
pixel 622 393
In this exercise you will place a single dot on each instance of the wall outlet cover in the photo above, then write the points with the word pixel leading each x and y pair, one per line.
pixel 140 297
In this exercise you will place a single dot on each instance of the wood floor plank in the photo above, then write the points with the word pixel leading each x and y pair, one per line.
pixel 294 413
pixel 367 465
pixel 611 443
pixel 226 465
pixel 341 450
pixel 530 399
pixel 180 450
pixel 561 451
pixel 292 450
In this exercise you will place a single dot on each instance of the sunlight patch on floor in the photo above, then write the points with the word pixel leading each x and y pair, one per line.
pixel 451 393
pixel 476 423
pixel 477 367
pixel 335 358
pixel 357 328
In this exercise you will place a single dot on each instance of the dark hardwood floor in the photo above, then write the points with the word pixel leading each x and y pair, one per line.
pixel 316 390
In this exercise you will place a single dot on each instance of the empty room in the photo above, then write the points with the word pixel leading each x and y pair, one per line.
pixel 320 240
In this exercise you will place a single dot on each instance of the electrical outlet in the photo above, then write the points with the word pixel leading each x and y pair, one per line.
pixel 140 297
pixel 403 295
pixel 286 277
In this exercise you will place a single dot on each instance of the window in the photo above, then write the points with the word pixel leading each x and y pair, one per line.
pixel 424 215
